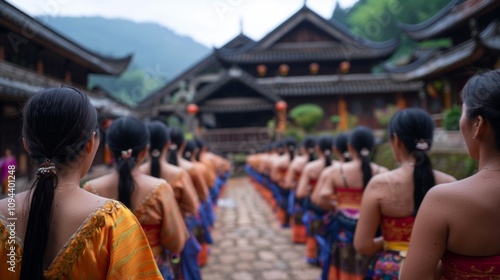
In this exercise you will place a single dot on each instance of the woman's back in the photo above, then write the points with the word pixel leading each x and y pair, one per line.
pixel 472 216
pixel 394 190
pixel 179 179
pixel 153 203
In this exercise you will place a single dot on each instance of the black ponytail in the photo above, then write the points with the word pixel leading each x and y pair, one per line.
pixel 36 239
pixel 291 145
pixel 310 146
pixel 158 134
pixel 189 150
pixel 341 145
pixel 126 138
pixel 200 144
pixel 177 138
pixel 57 124
pixel 414 128
pixel 325 144
pixel 362 140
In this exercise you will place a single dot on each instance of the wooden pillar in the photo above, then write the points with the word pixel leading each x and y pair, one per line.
pixel 343 114
pixel 39 66
pixel 2 53
pixel 401 101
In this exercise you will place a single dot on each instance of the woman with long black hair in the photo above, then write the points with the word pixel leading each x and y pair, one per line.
pixel 190 265
pixel 391 200
pixel 61 231
pixel 347 186
pixel 295 210
pixel 305 188
pixel 279 170
pixel 456 231
pixel 152 200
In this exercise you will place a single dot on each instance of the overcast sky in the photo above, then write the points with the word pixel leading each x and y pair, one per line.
pixel 210 22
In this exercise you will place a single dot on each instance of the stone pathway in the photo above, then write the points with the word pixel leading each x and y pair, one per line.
pixel 249 244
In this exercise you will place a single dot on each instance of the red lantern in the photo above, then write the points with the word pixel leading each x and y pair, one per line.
pixel 192 109
pixel 107 123
pixel 281 106
pixel 314 68
pixel 344 67
pixel 261 70
pixel 284 68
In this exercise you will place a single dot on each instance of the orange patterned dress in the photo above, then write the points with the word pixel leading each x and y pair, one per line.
pixel 396 233
pixel 345 262
pixel 110 244
pixel 162 223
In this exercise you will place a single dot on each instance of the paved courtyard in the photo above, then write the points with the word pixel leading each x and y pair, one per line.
pixel 249 244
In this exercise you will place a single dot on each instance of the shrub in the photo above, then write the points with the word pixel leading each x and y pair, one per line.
pixel 307 116
pixel 451 118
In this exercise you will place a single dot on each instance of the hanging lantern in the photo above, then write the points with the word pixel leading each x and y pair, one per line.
pixel 261 70
pixel 314 68
pixel 107 123
pixel 284 68
pixel 192 109
pixel 281 106
pixel 345 66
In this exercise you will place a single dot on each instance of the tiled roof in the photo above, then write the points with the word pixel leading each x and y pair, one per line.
pixel 45 35
pixel 235 74
pixel 339 85
pixel 453 15
pixel 297 52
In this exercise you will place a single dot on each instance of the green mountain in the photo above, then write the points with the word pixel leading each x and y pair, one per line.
pixel 160 54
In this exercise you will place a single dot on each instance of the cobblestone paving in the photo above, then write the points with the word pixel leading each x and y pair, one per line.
pixel 249 244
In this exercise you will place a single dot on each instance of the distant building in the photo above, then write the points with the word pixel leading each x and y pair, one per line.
pixel 306 59
pixel 33 57
pixel 474 29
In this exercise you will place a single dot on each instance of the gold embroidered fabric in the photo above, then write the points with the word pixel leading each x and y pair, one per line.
pixel 162 221
pixel 110 244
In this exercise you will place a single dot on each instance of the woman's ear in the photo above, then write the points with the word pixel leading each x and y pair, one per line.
pixel 479 127
pixel 90 145
pixel 25 145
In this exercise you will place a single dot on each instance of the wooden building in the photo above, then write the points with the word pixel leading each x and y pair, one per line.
pixel 33 57
pixel 306 59
pixel 474 29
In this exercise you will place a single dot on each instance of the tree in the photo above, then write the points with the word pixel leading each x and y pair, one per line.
pixel 307 116
pixel 377 20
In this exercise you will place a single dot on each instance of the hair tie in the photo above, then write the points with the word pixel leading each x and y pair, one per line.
pixel 422 145
pixel 364 152
pixel 346 155
pixel 126 155
pixel 46 168
pixel 327 152
pixel 155 153
pixel 187 154
pixel 172 147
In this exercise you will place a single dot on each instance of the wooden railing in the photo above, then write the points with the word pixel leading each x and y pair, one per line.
pixel 237 140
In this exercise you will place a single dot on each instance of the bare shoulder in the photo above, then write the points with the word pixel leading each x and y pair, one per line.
pixel 442 177
pixel 382 180
pixel 102 182
pixel 447 193
pixel 331 171
pixel 377 169
pixel 15 203
pixel 149 182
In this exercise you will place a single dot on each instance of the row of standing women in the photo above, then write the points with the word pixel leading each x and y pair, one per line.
pixel 363 221
pixel 159 229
